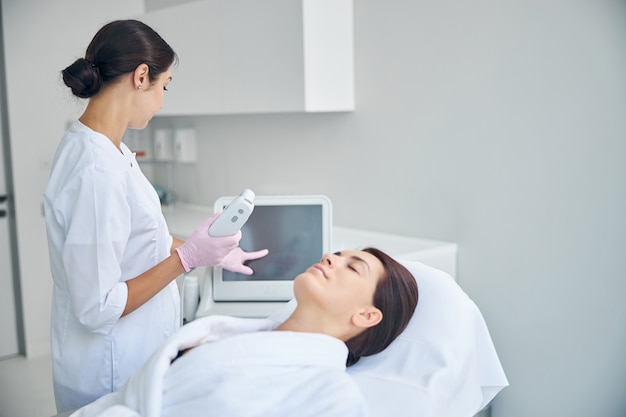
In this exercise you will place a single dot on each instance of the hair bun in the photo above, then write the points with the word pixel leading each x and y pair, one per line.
pixel 83 78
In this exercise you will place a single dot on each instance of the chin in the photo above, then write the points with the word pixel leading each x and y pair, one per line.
pixel 140 125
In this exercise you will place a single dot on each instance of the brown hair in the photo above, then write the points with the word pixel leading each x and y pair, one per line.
pixel 117 49
pixel 396 297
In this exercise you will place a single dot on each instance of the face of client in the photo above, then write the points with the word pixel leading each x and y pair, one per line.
pixel 335 296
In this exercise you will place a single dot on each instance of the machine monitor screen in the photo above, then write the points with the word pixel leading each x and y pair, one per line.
pixel 297 232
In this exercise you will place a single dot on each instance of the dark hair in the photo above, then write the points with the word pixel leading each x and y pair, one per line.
pixel 396 297
pixel 118 48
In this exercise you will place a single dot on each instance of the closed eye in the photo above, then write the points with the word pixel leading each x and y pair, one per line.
pixel 352 261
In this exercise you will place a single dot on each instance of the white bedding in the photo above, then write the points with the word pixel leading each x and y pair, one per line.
pixel 444 364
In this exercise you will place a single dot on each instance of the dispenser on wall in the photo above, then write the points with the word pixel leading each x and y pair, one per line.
pixel 163 145
pixel 185 145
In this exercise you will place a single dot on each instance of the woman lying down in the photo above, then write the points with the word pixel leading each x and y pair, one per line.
pixel 350 304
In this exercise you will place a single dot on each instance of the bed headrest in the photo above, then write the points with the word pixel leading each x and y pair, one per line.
pixel 444 363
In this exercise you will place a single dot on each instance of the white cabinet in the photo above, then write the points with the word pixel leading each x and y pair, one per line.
pixel 258 56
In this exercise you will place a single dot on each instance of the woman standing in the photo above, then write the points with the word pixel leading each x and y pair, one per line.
pixel 112 257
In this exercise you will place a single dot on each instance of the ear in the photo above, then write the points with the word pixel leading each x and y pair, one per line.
pixel 368 317
pixel 140 76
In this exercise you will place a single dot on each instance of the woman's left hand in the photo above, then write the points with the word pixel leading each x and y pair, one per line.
pixel 234 260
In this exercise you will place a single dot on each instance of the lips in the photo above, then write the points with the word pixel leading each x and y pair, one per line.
pixel 321 269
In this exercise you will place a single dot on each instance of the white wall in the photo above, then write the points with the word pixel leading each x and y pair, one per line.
pixel 498 125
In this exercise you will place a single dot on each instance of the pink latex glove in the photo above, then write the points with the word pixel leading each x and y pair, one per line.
pixel 234 260
pixel 202 249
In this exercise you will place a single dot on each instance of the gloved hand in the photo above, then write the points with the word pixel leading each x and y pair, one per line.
pixel 202 249
pixel 234 260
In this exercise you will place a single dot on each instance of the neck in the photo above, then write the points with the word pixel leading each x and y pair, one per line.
pixel 301 321
pixel 104 114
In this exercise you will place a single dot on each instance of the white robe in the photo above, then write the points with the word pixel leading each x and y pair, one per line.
pixel 238 368
pixel 105 226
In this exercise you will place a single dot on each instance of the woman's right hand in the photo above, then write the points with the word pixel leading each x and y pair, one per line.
pixel 202 249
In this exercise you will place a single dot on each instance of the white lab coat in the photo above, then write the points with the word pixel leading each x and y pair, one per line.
pixel 238 369
pixel 105 226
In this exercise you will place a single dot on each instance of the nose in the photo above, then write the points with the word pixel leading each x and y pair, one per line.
pixel 331 259
pixel 327 259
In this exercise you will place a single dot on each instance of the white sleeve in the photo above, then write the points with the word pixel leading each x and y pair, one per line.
pixel 97 231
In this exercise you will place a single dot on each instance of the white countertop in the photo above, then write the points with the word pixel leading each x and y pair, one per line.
pixel 182 219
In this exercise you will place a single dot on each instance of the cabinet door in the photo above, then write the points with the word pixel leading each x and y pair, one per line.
pixel 8 315
pixel 258 56
pixel 8 325
pixel 262 56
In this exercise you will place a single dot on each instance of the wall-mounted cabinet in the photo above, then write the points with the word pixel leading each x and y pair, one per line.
pixel 259 56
